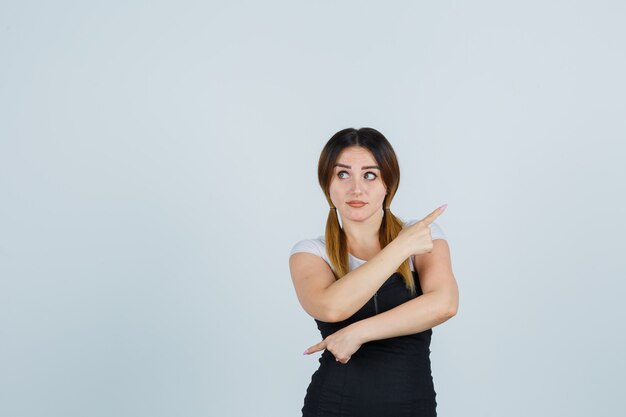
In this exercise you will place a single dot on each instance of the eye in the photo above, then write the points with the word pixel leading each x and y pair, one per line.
pixel 371 173
pixel 342 172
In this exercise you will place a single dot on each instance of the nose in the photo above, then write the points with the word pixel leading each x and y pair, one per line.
pixel 356 186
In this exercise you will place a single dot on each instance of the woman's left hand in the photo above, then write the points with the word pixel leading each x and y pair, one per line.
pixel 342 344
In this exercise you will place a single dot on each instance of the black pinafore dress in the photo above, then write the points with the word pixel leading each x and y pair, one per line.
pixel 384 378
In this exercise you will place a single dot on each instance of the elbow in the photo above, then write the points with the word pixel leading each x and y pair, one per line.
pixel 445 315
pixel 335 312
pixel 324 309
pixel 450 308
pixel 334 316
pixel 328 315
pixel 450 312
pixel 328 318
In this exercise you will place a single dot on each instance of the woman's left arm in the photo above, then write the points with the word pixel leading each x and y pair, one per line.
pixel 438 303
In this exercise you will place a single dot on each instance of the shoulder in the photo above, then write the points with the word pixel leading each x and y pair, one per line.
pixel 436 231
pixel 316 246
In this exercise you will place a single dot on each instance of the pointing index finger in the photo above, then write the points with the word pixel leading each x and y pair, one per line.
pixel 316 347
pixel 432 216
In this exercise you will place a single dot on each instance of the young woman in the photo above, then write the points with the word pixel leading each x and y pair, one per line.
pixel 375 286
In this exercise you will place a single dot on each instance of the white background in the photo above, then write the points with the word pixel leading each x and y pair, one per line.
pixel 158 161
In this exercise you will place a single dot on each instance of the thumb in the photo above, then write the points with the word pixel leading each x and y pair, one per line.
pixel 316 348
pixel 432 216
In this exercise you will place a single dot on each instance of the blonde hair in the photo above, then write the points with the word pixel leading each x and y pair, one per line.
pixel 336 240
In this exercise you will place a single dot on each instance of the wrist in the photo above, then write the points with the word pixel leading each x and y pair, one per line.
pixel 398 246
pixel 361 331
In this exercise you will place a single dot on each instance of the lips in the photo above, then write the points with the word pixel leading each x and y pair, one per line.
pixel 356 203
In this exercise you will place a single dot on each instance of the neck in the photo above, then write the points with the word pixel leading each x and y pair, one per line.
pixel 363 233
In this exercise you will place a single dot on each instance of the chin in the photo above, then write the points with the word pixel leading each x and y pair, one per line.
pixel 358 217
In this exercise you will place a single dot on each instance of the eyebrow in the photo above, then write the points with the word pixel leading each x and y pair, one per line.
pixel 365 167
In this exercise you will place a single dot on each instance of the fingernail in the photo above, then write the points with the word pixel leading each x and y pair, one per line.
pixel 305 352
pixel 444 207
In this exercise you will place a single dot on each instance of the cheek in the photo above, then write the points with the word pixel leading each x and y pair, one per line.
pixel 334 190
pixel 381 192
pixel 336 187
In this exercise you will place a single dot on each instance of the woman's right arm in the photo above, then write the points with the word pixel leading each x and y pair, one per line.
pixel 330 300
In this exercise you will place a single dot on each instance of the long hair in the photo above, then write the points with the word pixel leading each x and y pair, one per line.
pixel 336 241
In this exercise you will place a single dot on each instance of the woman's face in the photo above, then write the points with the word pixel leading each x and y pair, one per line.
pixel 357 189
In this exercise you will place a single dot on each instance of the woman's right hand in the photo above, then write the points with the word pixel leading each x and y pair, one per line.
pixel 416 238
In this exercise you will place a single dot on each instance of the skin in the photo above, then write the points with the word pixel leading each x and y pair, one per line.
pixel 439 301
pixel 361 224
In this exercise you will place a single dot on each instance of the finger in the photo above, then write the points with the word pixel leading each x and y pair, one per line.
pixel 432 216
pixel 316 348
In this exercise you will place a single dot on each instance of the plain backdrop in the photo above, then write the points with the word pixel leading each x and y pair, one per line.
pixel 158 161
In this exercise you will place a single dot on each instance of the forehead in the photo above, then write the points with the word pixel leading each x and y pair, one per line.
pixel 356 156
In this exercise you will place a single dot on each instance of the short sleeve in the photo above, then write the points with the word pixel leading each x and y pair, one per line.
pixel 308 245
pixel 436 231
pixel 314 246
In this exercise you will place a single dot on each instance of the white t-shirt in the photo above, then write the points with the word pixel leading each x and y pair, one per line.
pixel 317 246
